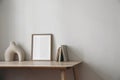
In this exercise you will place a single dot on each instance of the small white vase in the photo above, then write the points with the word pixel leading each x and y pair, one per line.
pixel 12 50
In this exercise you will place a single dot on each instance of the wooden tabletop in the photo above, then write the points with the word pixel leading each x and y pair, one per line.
pixel 39 64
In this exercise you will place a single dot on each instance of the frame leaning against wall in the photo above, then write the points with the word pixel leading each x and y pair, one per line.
pixel 41 47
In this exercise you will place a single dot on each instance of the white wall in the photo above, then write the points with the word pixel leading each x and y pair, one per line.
pixel 90 28
pixel 4 28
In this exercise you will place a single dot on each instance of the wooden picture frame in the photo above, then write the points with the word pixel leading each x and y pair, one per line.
pixel 41 47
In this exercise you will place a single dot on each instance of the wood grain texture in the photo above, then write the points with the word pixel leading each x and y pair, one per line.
pixel 63 75
pixel 39 64
pixel 76 72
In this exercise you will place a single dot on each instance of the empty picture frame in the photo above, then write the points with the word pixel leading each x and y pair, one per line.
pixel 41 46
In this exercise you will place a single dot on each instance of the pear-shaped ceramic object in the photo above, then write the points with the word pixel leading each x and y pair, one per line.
pixel 12 50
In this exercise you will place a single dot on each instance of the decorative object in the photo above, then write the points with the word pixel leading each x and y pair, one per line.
pixel 62 54
pixel 12 51
pixel 41 46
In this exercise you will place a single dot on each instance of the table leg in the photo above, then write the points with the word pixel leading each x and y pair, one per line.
pixel 76 72
pixel 63 75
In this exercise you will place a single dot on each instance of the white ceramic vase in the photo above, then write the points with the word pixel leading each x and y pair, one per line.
pixel 12 50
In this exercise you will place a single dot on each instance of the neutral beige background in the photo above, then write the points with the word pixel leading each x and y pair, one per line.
pixel 90 28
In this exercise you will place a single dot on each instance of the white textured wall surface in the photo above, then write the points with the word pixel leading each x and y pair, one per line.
pixel 91 29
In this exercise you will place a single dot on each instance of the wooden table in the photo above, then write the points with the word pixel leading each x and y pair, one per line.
pixel 62 66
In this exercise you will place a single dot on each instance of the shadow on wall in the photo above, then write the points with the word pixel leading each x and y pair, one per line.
pixel 75 53
pixel 86 73
pixel 53 47
pixel 1 1
pixel 4 26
